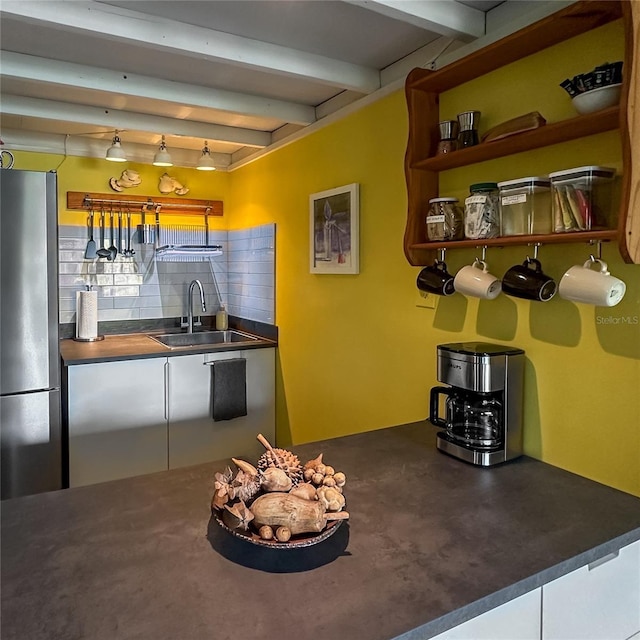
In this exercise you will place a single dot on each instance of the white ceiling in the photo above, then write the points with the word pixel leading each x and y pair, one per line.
pixel 245 75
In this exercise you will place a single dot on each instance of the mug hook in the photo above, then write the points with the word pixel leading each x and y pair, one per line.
pixel 442 253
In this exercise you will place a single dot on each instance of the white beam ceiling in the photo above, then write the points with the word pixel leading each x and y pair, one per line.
pixel 440 16
pixel 116 119
pixel 123 25
pixel 34 68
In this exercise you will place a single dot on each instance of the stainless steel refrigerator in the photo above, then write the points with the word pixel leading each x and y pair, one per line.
pixel 30 409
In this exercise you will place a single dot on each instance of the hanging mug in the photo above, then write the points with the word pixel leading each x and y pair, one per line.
pixel 584 284
pixel 436 279
pixel 475 280
pixel 527 281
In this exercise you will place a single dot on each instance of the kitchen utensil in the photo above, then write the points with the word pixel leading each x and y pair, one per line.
pixel 527 281
pixel 475 280
pixel 482 418
pixel 113 250
pixel 120 248
pixel 448 136
pixel 129 252
pixel 582 284
pixel 436 279
pixel 90 251
pixel 102 252
pixel 597 99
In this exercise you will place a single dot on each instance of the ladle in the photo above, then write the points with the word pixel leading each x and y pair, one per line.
pixel 102 252
pixel 90 251
pixel 113 250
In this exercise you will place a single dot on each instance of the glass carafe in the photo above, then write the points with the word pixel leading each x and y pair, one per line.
pixel 474 420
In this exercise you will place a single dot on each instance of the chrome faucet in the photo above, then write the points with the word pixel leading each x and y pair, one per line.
pixel 190 303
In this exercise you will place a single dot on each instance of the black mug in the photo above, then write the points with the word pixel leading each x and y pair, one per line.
pixel 527 281
pixel 436 279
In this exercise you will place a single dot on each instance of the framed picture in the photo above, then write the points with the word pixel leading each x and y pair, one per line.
pixel 333 222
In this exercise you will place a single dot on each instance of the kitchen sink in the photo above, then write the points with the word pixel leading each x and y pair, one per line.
pixel 202 338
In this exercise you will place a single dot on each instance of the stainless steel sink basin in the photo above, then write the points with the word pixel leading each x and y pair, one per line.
pixel 202 338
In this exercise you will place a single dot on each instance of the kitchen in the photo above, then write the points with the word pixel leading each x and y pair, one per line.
pixel 357 353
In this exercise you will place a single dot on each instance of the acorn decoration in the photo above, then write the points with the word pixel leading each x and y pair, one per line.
pixel 281 459
pixel 279 499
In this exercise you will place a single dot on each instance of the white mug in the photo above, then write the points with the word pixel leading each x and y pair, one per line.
pixel 584 284
pixel 475 280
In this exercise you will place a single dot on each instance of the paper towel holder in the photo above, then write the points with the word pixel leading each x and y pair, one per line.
pixel 93 339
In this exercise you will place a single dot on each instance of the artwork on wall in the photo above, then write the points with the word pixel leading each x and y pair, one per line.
pixel 169 184
pixel 128 179
pixel 333 222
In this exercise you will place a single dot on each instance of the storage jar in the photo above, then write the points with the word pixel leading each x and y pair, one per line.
pixel 444 220
pixel 581 198
pixel 481 211
pixel 525 206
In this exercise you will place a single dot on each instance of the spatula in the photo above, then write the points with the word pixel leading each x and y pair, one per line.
pixel 90 251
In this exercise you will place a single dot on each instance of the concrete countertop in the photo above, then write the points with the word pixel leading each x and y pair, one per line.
pixel 134 346
pixel 431 542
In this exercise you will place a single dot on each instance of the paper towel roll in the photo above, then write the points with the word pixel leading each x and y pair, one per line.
pixel 86 314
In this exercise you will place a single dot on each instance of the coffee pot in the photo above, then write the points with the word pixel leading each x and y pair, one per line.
pixel 481 409
pixel 475 420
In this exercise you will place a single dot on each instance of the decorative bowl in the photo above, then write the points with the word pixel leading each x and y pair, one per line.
pixel 597 99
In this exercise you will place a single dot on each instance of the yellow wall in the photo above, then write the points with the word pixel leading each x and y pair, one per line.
pixel 356 353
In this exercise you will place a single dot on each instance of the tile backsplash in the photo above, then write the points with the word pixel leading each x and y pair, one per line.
pixel 144 287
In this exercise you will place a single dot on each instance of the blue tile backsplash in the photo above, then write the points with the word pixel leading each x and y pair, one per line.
pixel 143 287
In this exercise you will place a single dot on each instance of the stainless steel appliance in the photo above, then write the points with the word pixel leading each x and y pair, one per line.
pixel 30 413
pixel 482 418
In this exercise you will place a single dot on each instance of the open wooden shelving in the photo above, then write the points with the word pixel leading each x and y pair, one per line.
pixel 422 166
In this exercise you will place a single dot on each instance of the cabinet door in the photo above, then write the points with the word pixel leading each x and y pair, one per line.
pixel 518 619
pixel 599 601
pixel 194 437
pixel 117 424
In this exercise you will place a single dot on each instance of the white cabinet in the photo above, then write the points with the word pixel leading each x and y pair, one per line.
pixel 116 420
pixel 600 601
pixel 518 619
pixel 194 436
pixel 133 417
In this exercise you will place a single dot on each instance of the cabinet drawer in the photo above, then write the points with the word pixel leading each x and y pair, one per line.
pixel 600 601
pixel 518 619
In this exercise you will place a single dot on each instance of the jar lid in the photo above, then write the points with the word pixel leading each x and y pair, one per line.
pixel 601 172
pixel 533 181
pixel 483 186
pixel 443 200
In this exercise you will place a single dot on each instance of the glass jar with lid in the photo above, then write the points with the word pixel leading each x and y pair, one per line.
pixel 444 219
pixel 481 211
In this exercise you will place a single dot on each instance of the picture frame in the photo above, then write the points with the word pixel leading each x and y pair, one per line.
pixel 334 242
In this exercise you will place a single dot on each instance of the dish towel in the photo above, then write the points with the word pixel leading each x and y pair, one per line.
pixel 229 388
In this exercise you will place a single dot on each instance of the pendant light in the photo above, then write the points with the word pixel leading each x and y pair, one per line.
pixel 206 161
pixel 162 157
pixel 115 153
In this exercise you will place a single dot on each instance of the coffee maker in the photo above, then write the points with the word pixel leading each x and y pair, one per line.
pixel 483 407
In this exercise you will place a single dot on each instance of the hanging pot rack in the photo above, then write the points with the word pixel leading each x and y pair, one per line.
pixel 173 206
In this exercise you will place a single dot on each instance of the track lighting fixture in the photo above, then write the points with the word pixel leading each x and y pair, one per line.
pixel 206 161
pixel 115 153
pixel 162 157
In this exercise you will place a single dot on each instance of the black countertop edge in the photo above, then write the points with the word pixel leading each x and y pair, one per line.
pixel 118 327
pixel 498 598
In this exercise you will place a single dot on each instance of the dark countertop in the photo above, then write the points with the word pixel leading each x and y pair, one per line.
pixel 134 346
pixel 431 542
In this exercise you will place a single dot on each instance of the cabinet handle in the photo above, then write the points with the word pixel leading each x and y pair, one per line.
pixel 166 390
pixel 596 563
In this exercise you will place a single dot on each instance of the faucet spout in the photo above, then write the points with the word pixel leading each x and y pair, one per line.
pixel 192 286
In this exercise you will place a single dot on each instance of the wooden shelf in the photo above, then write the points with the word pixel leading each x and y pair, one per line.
pixel 81 200
pixel 564 131
pixel 422 89
pixel 601 235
